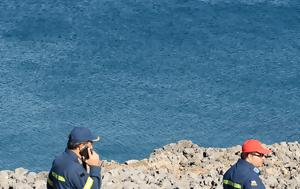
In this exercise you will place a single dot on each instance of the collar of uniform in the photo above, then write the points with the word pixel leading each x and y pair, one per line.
pixel 248 165
pixel 72 155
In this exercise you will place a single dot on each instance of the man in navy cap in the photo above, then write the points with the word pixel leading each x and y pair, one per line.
pixel 79 166
pixel 245 173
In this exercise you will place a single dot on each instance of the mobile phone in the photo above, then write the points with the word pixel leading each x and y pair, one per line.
pixel 84 152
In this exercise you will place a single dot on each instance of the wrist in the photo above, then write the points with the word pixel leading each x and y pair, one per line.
pixel 97 163
pixel 100 163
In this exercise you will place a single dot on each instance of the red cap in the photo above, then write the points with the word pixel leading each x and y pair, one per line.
pixel 254 146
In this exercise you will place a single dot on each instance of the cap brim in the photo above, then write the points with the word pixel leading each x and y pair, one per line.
pixel 96 139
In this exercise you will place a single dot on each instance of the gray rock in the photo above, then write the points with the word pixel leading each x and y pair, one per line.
pixel 20 171
pixel 40 184
pixel 31 177
pixel 4 184
pixel 130 185
pixel 22 186
pixel 42 176
pixel 181 165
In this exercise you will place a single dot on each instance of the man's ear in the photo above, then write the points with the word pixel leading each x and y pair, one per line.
pixel 250 157
pixel 80 146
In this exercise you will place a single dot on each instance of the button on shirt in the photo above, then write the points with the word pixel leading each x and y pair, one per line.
pixel 67 172
pixel 242 175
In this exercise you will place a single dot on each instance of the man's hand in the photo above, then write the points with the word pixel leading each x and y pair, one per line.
pixel 94 159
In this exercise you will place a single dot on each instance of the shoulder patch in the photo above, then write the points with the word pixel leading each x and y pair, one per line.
pixel 256 170
pixel 253 183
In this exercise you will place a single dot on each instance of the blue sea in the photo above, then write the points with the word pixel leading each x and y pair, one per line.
pixel 142 74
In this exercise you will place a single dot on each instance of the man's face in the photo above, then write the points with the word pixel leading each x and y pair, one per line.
pixel 257 159
pixel 89 144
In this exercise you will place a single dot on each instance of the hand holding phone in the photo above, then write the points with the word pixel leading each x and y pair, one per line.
pixel 94 159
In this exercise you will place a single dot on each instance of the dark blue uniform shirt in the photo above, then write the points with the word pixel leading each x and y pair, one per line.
pixel 67 172
pixel 242 175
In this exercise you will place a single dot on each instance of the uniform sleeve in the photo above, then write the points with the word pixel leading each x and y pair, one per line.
pixel 95 174
pixel 79 178
pixel 254 183
pixel 50 184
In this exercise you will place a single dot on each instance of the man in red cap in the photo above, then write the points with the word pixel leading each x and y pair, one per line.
pixel 245 173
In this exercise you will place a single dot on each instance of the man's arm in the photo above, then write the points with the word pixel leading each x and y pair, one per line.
pixel 91 180
pixel 94 163
pixel 95 174
pixel 50 184
pixel 79 178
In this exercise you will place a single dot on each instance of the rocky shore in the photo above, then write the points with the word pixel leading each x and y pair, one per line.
pixel 183 165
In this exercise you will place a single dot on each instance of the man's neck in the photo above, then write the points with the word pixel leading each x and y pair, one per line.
pixel 249 161
pixel 76 151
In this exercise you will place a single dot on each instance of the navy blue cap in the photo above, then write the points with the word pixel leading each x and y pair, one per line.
pixel 82 134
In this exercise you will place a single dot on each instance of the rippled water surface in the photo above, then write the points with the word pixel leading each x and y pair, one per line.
pixel 142 74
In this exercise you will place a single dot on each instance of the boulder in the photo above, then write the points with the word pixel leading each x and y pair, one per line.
pixel 179 165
